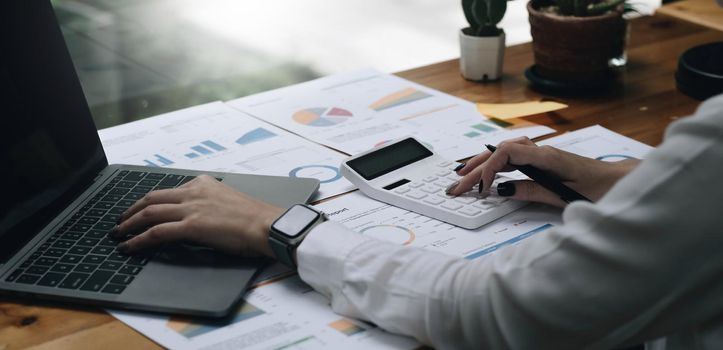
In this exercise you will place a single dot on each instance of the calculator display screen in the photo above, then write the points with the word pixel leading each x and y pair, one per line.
pixel 390 158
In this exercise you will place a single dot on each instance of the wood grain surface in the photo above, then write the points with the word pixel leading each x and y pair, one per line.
pixel 641 104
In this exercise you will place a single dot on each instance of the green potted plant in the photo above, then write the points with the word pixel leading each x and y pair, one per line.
pixel 482 44
pixel 575 40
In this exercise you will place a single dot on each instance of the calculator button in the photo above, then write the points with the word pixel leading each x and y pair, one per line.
pixel 443 173
pixel 471 211
pixel 416 184
pixel 451 205
pixel 466 200
pixel 416 195
pixel 443 183
pixel 433 200
pixel 483 205
pixel 444 195
pixel 496 200
pixel 402 190
pixel 430 178
pixel 430 189
pixel 444 164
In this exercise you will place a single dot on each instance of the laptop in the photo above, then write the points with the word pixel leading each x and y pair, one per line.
pixel 59 197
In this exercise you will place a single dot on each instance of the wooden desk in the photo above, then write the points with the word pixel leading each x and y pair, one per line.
pixel 704 12
pixel 641 106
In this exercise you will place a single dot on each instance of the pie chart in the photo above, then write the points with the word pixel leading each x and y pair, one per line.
pixel 322 116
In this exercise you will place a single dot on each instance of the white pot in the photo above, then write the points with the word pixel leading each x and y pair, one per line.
pixel 481 57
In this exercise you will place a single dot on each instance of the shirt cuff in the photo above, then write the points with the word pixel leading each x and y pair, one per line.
pixel 322 255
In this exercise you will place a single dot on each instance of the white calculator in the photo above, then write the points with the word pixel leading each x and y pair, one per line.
pixel 409 175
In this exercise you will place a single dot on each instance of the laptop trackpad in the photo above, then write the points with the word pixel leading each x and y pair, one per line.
pixel 192 278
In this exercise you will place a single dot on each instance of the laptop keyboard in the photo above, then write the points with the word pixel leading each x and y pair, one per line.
pixel 80 255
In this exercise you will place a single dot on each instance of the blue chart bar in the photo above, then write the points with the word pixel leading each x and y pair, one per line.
pixel 201 149
pixel 191 155
pixel 163 160
pixel 214 145
pixel 149 163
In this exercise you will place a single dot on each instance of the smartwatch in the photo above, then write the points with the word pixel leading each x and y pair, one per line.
pixel 290 229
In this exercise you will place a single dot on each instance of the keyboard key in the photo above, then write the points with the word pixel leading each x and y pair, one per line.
pixel 113 289
pixel 96 234
pixel 51 279
pixel 74 280
pixel 93 259
pixel 13 276
pixel 101 250
pixel 28 279
pixel 37 270
pixel 85 268
pixel 444 195
pixel 171 180
pixel 63 244
pixel 130 270
pixel 72 259
pixel 96 212
pixel 189 178
pixel 121 279
pixel 135 176
pixel 72 235
pixel 125 184
pixel 80 228
pixel 155 176
pixel 103 205
pixel 443 183
pixel 138 260
pixel 88 242
pixel 434 200
pixel 451 205
pixel 112 198
pixel 141 189
pixel 415 184
pixel 416 195
pixel 46 261
pixel 471 211
pixel 111 218
pixel 126 203
pixel 443 173
pixel 444 164
pixel 118 191
pixel 134 196
pixel 106 226
pixel 117 210
pixel 118 257
pixel 79 250
pixel 97 280
pixel 62 268
pixel 107 242
pixel 54 252
pixel 88 220
pixel 111 265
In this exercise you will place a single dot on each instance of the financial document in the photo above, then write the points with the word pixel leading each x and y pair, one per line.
pixel 599 143
pixel 215 137
pixel 356 111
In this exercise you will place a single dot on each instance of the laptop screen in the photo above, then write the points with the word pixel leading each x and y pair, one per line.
pixel 49 146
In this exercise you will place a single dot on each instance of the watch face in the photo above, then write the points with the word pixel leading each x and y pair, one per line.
pixel 295 221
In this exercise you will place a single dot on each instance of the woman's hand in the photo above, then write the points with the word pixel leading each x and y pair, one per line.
pixel 591 177
pixel 203 211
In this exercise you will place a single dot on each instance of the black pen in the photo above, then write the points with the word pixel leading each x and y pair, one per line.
pixel 567 194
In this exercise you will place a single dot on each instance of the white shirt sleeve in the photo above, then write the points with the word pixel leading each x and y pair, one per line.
pixel 643 262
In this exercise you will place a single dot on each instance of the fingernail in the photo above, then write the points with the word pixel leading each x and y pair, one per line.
pixel 451 187
pixel 114 231
pixel 481 186
pixel 459 167
pixel 506 189
pixel 123 247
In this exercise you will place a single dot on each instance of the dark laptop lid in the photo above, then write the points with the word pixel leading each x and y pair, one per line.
pixel 49 146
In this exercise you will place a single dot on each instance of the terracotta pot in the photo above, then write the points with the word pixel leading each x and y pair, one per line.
pixel 573 48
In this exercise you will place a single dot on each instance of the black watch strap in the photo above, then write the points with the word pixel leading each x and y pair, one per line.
pixel 283 251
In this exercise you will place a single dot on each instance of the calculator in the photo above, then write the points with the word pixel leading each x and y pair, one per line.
pixel 409 175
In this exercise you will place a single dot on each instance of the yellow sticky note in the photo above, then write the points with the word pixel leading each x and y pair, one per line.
pixel 516 110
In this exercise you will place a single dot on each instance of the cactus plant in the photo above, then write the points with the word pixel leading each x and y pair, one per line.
pixel 483 16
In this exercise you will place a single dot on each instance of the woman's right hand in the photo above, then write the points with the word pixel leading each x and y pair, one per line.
pixel 591 177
